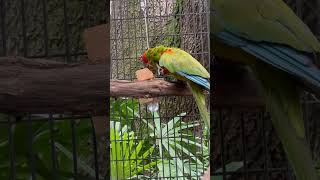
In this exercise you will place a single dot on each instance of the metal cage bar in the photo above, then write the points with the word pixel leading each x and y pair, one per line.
pixel 128 41
pixel 51 30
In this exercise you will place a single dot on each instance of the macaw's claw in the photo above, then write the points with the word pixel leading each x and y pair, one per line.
pixel 170 79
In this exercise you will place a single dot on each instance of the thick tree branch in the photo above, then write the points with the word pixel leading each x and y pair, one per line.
pixel 43 86
pixel 148 88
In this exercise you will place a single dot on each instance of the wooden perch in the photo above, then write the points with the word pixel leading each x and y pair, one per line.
pixel 148 88
pixel 43 86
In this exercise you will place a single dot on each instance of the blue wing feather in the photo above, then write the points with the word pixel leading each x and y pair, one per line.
pixel 288 59
pixel 204 82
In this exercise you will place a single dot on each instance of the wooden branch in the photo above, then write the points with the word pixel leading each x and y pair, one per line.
pixel 43 86
pixel 148 88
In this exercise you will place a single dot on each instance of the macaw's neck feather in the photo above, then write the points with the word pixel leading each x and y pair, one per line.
pixel 154 54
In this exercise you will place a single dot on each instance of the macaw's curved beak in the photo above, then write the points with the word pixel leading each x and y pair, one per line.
pixel 147 66
pixel 150 67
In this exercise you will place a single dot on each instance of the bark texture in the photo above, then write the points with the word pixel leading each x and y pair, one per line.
pixel 44 86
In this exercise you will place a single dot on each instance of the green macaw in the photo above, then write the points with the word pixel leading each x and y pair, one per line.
pixel 278 47
pixel 184 67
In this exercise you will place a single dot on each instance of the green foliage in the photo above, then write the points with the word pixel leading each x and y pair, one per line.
pixel 175 140
pixel 128 158
pixel 178 151
pixel 318 167
pixel 41 147
pixel 124 111
pixel 231 167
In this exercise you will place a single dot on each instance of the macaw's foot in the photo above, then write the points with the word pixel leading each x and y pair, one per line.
pixel 180 82
pixel 174 80
pixel 170 79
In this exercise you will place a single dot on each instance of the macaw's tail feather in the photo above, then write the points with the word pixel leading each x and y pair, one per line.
pixel 294 143
pixel 294 62
pixel 283 102
pixel 201 102
pixel 204 82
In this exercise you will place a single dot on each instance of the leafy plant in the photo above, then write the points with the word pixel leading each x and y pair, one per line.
pixel 231 167
pixel 41 148
pixel 124 110
pixel 174 142
pixel 128 159
pixel 180 168
pixel 180 153
pixel 318 167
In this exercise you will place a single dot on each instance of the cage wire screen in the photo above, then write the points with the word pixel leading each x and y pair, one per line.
pixel 169 143
pixel 245 146
pixel 55 146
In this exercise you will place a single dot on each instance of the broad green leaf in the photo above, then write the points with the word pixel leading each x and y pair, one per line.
pixel 231 167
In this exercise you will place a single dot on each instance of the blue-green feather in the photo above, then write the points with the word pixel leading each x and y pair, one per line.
pixel 204 82
pixel 288 59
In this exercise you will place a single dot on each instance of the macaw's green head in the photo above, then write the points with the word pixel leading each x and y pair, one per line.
pixel 153 55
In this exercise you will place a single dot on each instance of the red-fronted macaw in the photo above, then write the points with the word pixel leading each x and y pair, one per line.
pixel 183 67
pixel 279 48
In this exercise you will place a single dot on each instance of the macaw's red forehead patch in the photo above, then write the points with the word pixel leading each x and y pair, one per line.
pixel 169 51
pixel 144 58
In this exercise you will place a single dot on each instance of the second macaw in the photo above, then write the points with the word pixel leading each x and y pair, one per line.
pixel 279 48
pixel 184 67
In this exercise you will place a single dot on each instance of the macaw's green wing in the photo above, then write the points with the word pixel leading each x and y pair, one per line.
pixel 264 20
pixel 183 64
pixel 177 60
pixel 282 57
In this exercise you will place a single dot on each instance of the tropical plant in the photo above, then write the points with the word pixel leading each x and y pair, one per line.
pixel 128 156
pixel 178 151
pixel 124 110
pixel 41 148
pixel 231 167
pixel 175 140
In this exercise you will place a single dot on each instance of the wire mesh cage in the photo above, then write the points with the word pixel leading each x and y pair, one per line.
pixel 245 145
pixel 169 143
pixel 49 146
